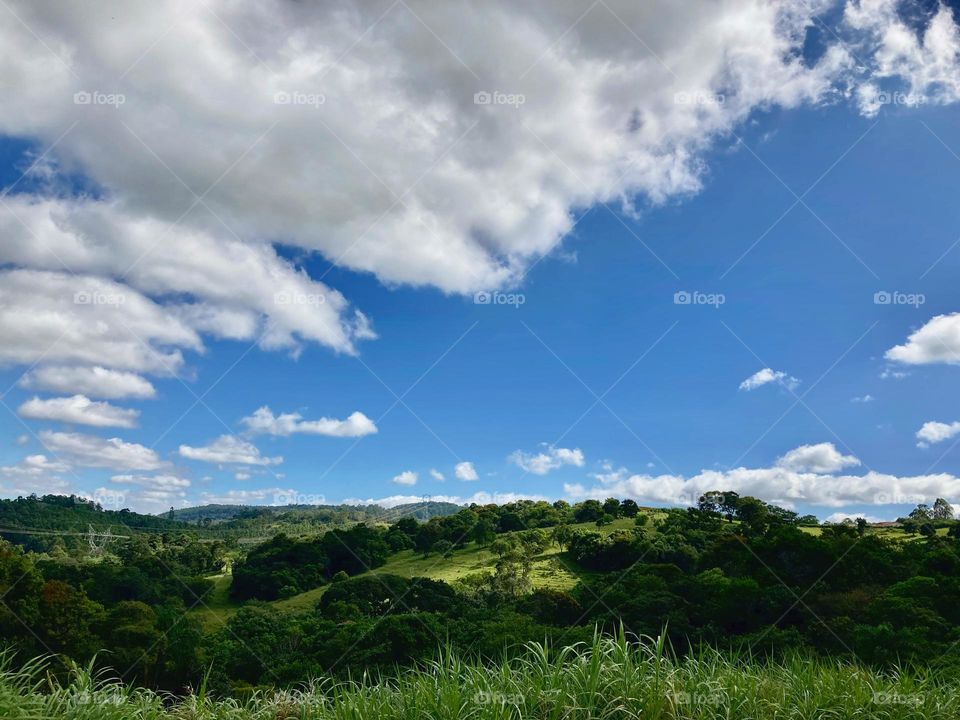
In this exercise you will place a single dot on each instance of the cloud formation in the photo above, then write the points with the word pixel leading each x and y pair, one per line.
pixel 465 471
pixel 767 376
pixel 934 432
pixel 79 410
pixel 263 421
pixel 549 459
pixel 938 341
pixel 779 484
pixel 229 450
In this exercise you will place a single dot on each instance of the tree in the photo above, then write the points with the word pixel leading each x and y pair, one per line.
pixel 921 512
pixel 861 526
pixel 561 536
pixel 604 519
pixel 484 532
pixel 942 510
pixel 587 511
pixel 629 508
pixel 927 530
pixel 611 507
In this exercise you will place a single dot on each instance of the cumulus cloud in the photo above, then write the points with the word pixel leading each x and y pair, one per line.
pixel 549 459
pixel 924 66
pixel 228 449
pixel 144 493
pixel 263 421
pixel 260 496
pixel 839 517
pixel 34 474
pixel 935 432
pixel 479 498
pixel 936 342
pixel 97 452
pixel 819 458
pixel 93 381
pixel 80 410
pixel 437 475
pixel 363 132
pixel 782 485
pixel 766 376
pixel 862 399
pixel 407 477
pixel 465 471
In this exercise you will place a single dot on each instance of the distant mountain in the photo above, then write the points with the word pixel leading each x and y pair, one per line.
pixel 324 513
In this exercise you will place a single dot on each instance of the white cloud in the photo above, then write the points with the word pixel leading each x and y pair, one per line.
pixel 91 381
pixel 97 452
pixel 407 477
pixel 784 486
pixel 437 475
pixel 228 449
pixel 766 376
pixel 819 458
pixel 80 410
pixel 549 459
pixel 144 493
pixel 480 498
pixel 924 67
pixel 58 317
pixel 352 130
pixel 263 421
pixel 839 517
pixel 241 476
pixel 936 342
pixel 160 482
pixel 935 432
pixel 34 474
pixel 862 399
pixel 260 496
pixel 465 471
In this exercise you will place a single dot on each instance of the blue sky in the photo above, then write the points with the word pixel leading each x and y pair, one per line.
pixel 594 365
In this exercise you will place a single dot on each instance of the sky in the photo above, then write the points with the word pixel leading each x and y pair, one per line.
pixel 377 252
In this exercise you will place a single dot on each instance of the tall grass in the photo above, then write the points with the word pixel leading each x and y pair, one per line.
pixel 610 678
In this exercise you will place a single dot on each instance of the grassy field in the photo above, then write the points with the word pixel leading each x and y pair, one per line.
pixel 548 570
pixel 612 678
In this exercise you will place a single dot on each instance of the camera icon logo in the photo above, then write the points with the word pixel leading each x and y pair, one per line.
pixel 882 298
pixel 681 297
pixel 82 98
pixel 481 298
pixel 482 98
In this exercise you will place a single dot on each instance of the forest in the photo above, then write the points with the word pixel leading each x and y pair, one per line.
pixel 733 574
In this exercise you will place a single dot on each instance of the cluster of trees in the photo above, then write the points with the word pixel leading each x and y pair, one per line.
pixel 731 571
pixel 925 520
pixel 285 566
pixel 128 608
